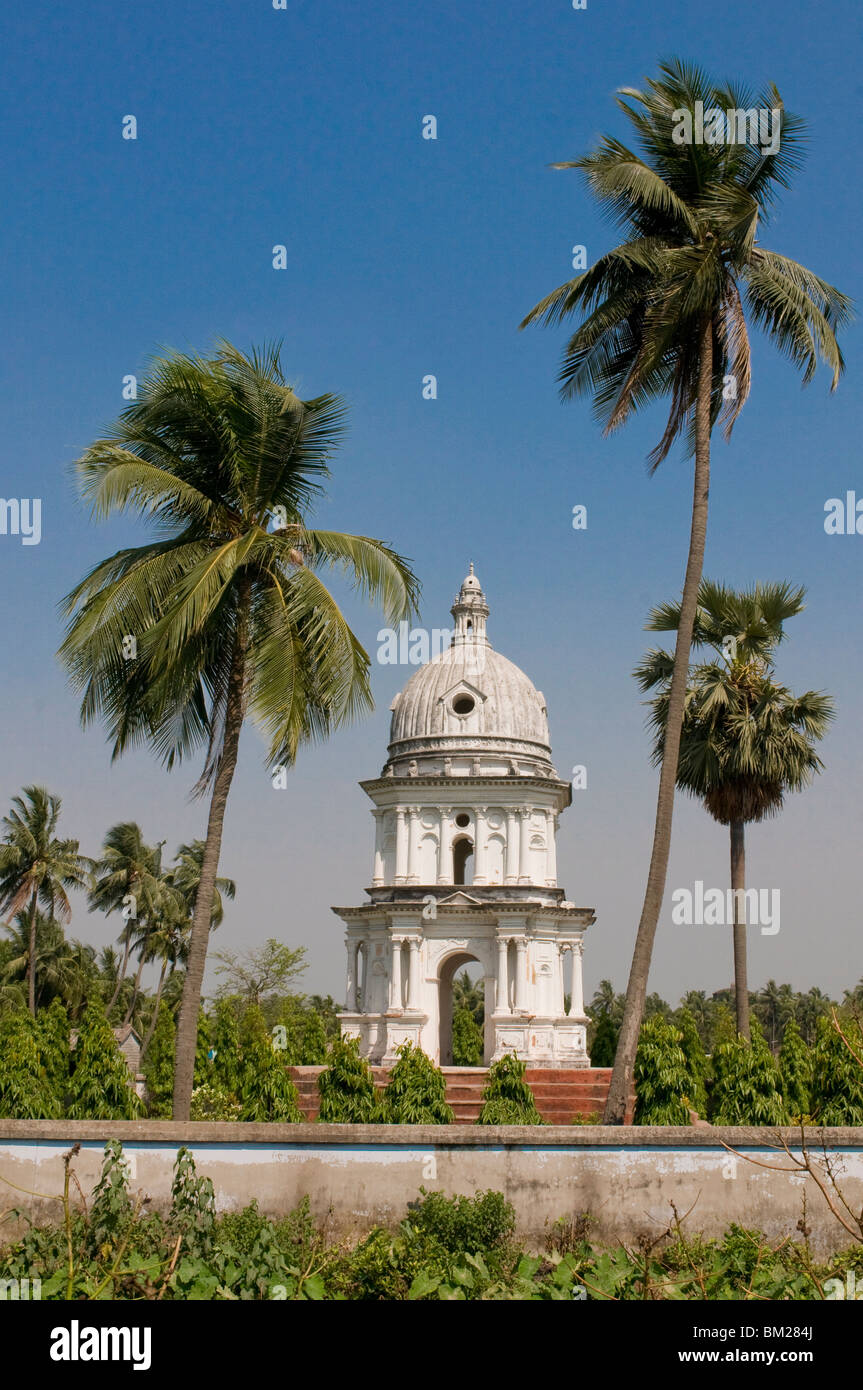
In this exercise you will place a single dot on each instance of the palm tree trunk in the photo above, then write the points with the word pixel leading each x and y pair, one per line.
pixel 31 958
pixel 122 975
pixel 624 1061
pixel 738 888
pixel 187 1023
pixel 152 1028
pixel 135 988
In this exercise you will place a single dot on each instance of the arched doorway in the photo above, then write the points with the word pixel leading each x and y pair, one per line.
pixel 451 967
pixel 462 861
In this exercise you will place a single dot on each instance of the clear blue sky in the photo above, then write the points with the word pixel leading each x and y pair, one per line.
pixel 407 257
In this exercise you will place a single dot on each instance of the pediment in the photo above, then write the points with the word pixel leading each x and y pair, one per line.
pixel 459 900
pixel 462 687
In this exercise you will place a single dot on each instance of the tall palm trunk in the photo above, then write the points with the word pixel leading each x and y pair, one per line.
pixel 636 992
pixel 135 989
pixel 31 958
pixel 738 888
pixel 153 1021
pixel 187 1023
pixel 122 975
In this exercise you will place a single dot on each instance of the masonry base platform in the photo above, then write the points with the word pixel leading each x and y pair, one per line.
pixel 561 1094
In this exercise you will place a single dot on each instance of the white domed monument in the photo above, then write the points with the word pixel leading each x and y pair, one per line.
pixel 466 811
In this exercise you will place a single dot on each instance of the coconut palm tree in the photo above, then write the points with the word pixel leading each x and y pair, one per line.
pixel 127 878
pixel 62 968
pixel 225 611
pixel 185 878
pixel 37 867
pixel 664 315
pixel 746 740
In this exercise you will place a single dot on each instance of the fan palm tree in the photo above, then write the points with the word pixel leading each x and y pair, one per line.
pixel 127 878
pixel 664 315
pixel 224 612
pixel 37 867
pixel 746 740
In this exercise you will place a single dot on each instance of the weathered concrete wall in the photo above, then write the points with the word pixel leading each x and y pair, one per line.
pixel 626 1178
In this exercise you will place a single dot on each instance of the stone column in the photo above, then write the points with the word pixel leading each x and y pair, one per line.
pixel 444 867
pixel 396 974
pixel 401 845
pixel 576 1003
pixel 521 974
pixel 501 1003
pixel 414 975
pixel 524 853
pixel 479 845
pixel 511 875
pixel 353 971
pixel 413 848
pixel 378 871
pixel 551 842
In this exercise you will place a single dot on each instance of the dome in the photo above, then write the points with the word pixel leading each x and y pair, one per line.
pixel 471 706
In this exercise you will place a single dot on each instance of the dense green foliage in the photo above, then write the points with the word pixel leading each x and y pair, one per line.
pixel 837 1088
pixel 507 1099
pixel 747 1087
pixel 266 1091
pixel 467 1041
pixel 25 1088
pixel 445 1249
pixel 663 1081
pixel 795 1068
pixel 347 1087
pixel 604 1044
pixel 416 1091
pixel 99 1088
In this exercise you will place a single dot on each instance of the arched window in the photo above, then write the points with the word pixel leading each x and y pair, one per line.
pixel 462 856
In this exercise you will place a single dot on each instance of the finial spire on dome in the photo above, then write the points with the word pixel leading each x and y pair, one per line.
pixel 470 611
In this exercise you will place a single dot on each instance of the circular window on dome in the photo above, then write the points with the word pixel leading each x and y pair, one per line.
pixel 463 704
pixel 462 819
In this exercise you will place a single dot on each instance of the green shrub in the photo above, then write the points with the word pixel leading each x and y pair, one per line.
pixel 211 1102
pixel 25 1090
pixel 476 1224
pixel 266 1091
pixel 52 1040
pixel 313 1040
pixel 507 1099
pixel 604 1044
pixel 663 1082
pixel 159 1066
pixel 225 1066
pixel 347 1088
pixel 416 1091
pixel 467 1040
pixel 747 1086
pixel 837 1085
pixel 795 1069
pixel 101 1085
pixel 696 1061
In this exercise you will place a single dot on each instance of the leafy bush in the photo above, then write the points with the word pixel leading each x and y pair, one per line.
pixel 159 1066
pixel 212 1103
pixel 837 1086
pixel 52 1040
pixel 101 1085
pixel 696 1061
pixel 226 1049
pixel 347 1088
pixel 507 1099
pixel 25 1088
pixel 795 1069
pixel 480 1223
pixel 416 1091
pixel 266 1091
pixel 467 1040
pixel 604 1043
pixel 663 1081
pixel 747 1086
